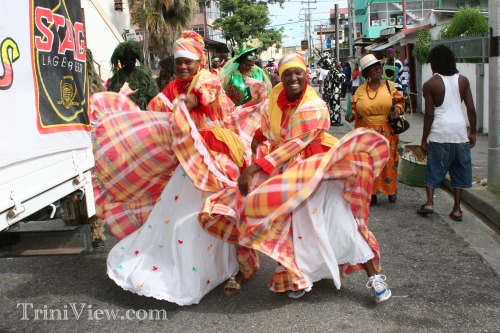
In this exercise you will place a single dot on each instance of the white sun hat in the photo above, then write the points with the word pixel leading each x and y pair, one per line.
pixel 367 61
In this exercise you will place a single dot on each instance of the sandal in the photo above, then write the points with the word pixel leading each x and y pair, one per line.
pixel 456 218
pixel 296 294
pixel 232 284
pixel 422 210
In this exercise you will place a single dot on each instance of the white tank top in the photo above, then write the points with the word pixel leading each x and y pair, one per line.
pixel 449 124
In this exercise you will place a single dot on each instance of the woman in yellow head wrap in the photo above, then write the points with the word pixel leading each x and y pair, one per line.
pixel 303 216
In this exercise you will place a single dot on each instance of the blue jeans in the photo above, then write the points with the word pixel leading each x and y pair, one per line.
pixel 454 158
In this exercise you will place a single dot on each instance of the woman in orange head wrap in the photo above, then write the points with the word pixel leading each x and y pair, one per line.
pixel 189 243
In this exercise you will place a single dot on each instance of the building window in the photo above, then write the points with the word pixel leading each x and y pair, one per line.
pixel 391 13
pixel 119 5
pixel 199 30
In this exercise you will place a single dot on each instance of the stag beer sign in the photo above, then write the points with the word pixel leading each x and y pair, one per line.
pixel 59 54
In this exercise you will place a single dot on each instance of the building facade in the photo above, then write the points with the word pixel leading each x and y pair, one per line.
pixel 107 23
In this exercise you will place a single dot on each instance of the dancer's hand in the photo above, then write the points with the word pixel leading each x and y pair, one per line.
pixel 191 102
pixel 246 178
pixel 255 145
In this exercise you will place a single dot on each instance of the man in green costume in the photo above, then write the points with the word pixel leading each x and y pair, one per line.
pixel 138 77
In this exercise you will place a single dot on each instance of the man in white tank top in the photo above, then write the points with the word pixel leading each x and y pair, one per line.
pixel 445 138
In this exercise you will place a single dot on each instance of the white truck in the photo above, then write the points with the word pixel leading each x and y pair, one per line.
pixel 45 145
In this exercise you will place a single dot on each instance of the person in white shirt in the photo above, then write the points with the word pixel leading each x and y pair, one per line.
pixel 405 77
pixel 445 138
pixel 323 72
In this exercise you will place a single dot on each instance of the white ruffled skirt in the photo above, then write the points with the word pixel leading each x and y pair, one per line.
pixel 171 257
pixel 325 235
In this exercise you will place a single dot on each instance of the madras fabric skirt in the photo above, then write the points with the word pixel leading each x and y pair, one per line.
pixel 386 183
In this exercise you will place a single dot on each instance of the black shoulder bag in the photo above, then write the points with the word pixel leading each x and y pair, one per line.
pixel 398 124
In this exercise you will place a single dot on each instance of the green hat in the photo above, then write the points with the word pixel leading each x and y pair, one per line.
pixel 241 51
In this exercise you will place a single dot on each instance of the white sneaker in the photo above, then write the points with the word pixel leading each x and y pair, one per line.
pixel 379 288
pixel 296 294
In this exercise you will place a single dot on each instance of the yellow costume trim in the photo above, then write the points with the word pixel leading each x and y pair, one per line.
pixel 275 113
pixel 195 79
pixel 223 134
pixel 329 140
pixel 233 143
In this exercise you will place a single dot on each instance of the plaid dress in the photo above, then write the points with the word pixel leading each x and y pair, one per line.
pixel 294 214
pixel 187 244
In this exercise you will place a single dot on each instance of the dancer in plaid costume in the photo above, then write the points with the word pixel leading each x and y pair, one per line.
pixel 312 217
pixel 189 243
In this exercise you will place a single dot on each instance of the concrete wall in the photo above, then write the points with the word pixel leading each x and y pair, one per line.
pixel 479 84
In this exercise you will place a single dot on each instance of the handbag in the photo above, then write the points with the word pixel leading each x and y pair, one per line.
pixel 398 124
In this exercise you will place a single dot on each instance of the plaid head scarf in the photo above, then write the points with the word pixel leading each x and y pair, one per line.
pixel 190 45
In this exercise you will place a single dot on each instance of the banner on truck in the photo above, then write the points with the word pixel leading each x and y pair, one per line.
pixel 43 89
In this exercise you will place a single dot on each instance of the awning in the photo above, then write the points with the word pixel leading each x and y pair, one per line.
pixel 405 32
pixel 215 45
pixel 382 46
pixel 379 46
pixel 363 41
pixel 370 47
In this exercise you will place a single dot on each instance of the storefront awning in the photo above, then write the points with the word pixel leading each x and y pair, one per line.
pixel 382 46
pixel 215 45
pixel 405 32
pixel 362 41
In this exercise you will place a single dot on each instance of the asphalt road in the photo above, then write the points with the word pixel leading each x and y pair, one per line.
pixel 444 276
pixel 439 271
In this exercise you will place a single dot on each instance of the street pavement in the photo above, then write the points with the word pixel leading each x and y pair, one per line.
pixel 444 276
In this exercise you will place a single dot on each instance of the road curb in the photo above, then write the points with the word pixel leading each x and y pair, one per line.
pixel 482 201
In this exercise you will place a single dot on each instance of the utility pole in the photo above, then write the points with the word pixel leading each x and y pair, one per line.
pixel 404 14
pixel 494 113
pixel 350 23
pixel 354 20
pixel 337 47
pixel 321 37
pixel 307 26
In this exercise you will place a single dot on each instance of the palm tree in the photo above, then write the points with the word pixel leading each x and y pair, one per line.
pixel 162 22
pixel 149 20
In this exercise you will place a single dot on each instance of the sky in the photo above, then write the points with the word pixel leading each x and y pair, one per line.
pixel 292 17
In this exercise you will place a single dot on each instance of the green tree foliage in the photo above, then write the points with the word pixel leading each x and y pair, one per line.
pixel 467 21
pixel 422 47
pixel 163 21
pixel 243 20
